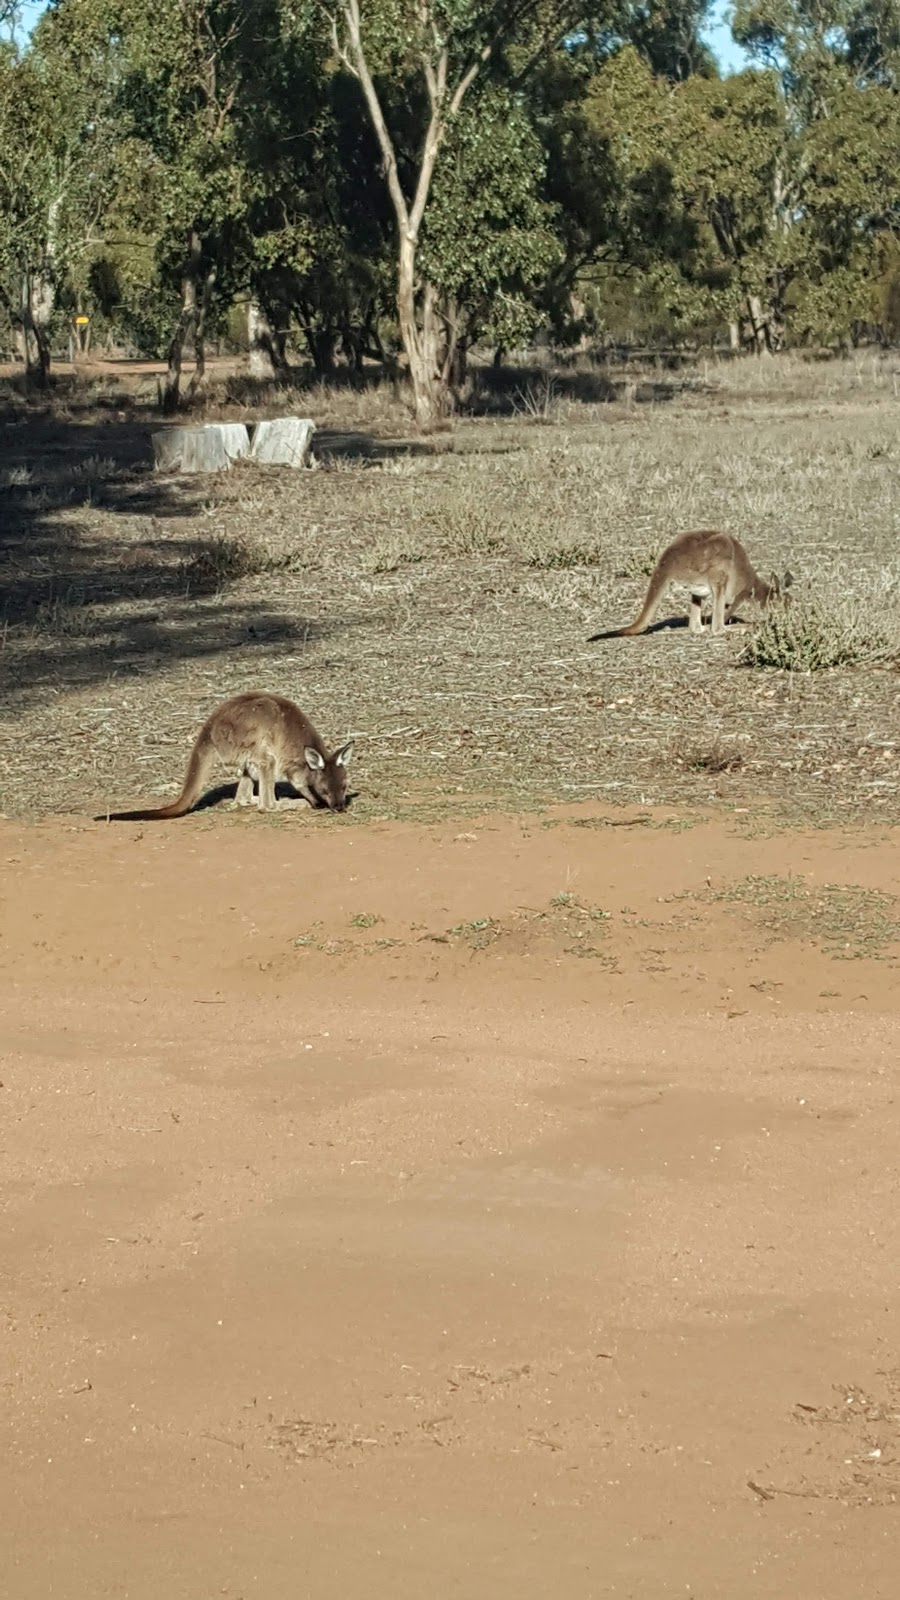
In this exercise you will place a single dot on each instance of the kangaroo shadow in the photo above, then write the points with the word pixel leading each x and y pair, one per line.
pixel 223 792
pixel 664 625
pixel 283 791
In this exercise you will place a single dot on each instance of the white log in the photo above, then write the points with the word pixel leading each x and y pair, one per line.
pixel 210 448
pixel 235 438
pixel 283 442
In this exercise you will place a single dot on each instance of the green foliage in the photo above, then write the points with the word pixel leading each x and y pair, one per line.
pixel 488 240
pixel 228 149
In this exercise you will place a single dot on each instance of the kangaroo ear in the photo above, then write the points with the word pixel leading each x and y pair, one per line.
pixel 313 760
pixel 787 580
pixel 342 756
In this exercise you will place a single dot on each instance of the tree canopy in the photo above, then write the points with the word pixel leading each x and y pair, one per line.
pixel 401 180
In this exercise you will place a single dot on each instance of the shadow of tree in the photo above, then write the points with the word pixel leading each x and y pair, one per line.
pixel 93 580
pixel 528 390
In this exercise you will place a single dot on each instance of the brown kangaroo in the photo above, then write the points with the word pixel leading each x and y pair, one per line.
pixel 266 737
pixel 709 563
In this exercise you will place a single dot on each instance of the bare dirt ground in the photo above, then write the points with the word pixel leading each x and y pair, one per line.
pixel 472 1195
pixel 487 1210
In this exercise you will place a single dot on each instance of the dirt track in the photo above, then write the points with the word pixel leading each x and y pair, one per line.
pixel 494 1209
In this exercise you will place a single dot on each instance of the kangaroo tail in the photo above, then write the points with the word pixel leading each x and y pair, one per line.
pixel 202 758
pixel 614 633
pixel 654 591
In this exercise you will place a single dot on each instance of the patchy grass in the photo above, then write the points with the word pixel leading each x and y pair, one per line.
pixel 639 563
pixel 847 921
pixel 560 557
pixel 538 400
pixel 565 918
pixel 433 598
pixel 390 554
pixel 226 558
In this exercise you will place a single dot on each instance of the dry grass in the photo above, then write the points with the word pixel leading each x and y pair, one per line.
pixel 433 598
pixel 721 755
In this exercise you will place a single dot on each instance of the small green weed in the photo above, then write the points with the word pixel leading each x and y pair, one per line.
pixel 719 756
pixel 638 563
pixel 389 554
pixel 562 557
pixel 846 920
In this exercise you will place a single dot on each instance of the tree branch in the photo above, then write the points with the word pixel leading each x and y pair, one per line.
pixel 382 133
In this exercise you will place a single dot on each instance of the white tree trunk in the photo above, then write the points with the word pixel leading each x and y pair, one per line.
pixel 264 360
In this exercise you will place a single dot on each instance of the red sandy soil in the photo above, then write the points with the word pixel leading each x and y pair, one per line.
pixel 468 1265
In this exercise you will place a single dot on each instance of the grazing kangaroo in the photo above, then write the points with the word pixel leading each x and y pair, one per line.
pixel 708 563
pixel 266 737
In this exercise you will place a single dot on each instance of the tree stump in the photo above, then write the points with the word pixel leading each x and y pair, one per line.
pixel 211 448
pixel 235 438
pixel 283 442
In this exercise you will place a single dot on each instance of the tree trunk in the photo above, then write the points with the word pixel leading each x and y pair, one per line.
pixel 170 392
pixel 759 323
pixel 454 366
pixel 266 358
pixel 352 344
pixel 322 345
pixel 199 372
pixel 34 315
pixel 421 343
pixel 734 336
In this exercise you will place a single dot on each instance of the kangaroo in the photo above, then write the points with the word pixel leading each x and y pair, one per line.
pixel 709 563
pixel 266 737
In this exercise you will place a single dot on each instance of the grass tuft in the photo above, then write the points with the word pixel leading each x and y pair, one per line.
pixel 834 629
pixel 226 558
pixel 563 557
pixel 718 757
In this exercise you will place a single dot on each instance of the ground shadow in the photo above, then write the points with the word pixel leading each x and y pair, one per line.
pixel 227 792
pixel 663 625
pixel 93 580
pixel 335 444
pixel 532 391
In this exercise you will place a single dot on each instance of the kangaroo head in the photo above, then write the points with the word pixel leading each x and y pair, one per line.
pixel 775 589
pixel 327 776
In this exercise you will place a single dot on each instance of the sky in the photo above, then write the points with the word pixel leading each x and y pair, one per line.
pixel 731 57
pixel 718 32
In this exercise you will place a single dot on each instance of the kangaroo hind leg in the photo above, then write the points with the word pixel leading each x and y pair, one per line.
pixel 267 800
pixel 695 615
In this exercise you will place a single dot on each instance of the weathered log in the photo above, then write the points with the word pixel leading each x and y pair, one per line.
pixel 283 441
pixel 210 448
pixel 235 438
